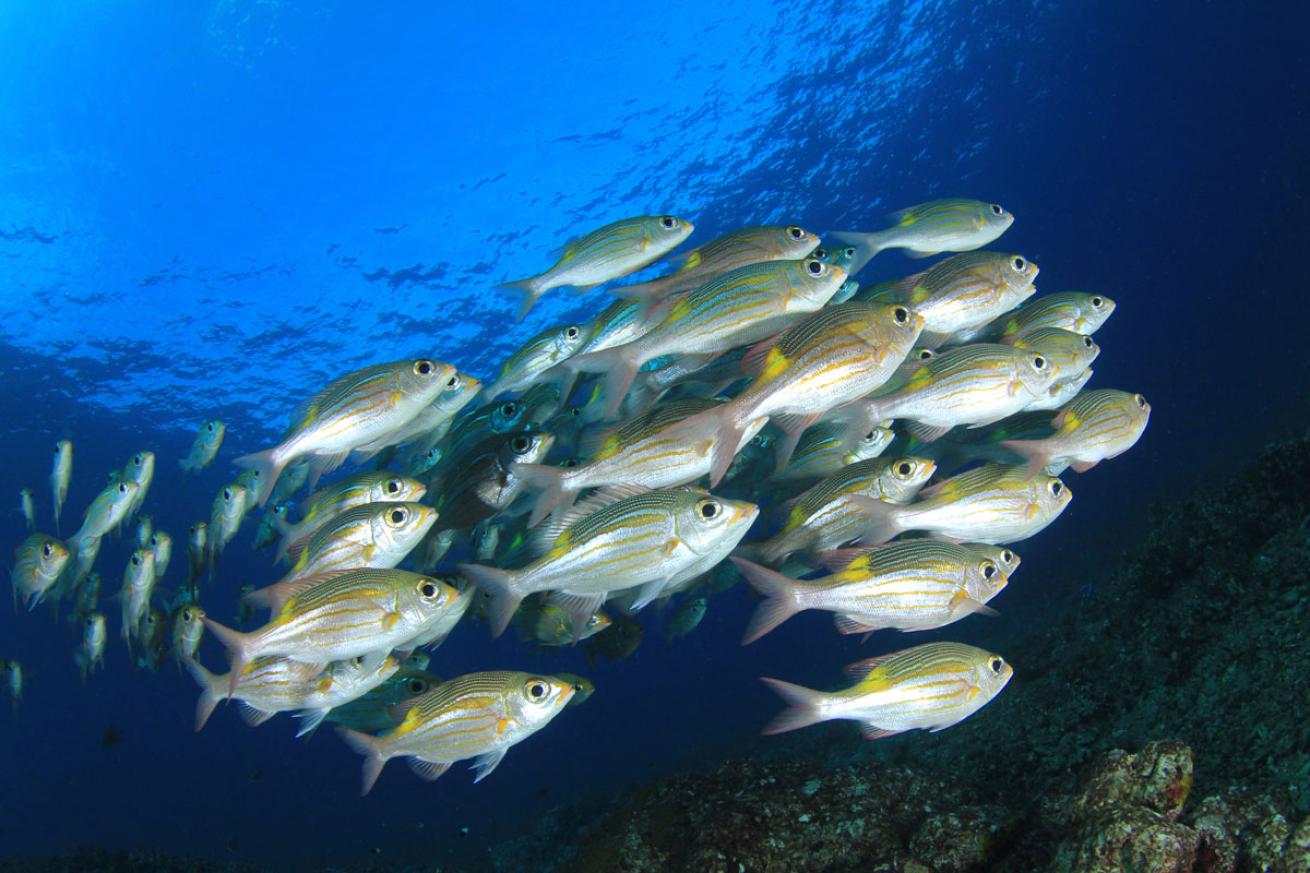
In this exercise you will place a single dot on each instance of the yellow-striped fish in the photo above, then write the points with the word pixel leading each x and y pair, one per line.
pixel 824 450
pixel 742 306
pixel 547 625
pixel 1060 393
pixel 645 539
pixel 1071 353
pixel 341 615
pixel 107 511
pixel 435 633
pixel 1094 426
pixel 38 563
pixel 947 225
pixel 965 292
pixel 536 356
pixel 329 502
pixel 990 504
pixel 361 408
pixel 929 687
pixel 913 585
pixel 1076 311
pixel 738 248
pixel 834 356
pixel 372 712
pixel 609 252
pixel 432 421
pixel 204 448
pixel 835 511
pixel 61 473
pixel 478 716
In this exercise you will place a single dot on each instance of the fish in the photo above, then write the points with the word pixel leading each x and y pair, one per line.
pixel 835 356
pixel 536 356
pixel 86 550
pixel 965 291
pixel 140 469
pixel 204 448
pixel 11 672
pixel 271 524
pixel 478 715
pixel 153 636
pixel 432 421
pixel 913 585
pixel 228 511
pixel 373 536
pixel 372 712
pixel 491 482
pixel 251 481
pixel 87 596
pixel 606 253
pixel 685 619
pixel 1071 353
pixel 1060 393
pixel 1092 427
pixel 583 687
pixel 642 539
pixel 27 507
pixel 619 641
pixel 435 633
pixel 293 478
pixel 355 410
pixel 340 615
pixel 349 493
pixel 1074 311
pixel 995 503
pixel 106 512
pixel 61 474
pixel 836 510
pixel 91 652
pixel 197 549
pixel 548 625
pixel 478 428
pixel 972 385
pixel 947 225
pixel 188 626
pixel 929 687
pixel 650 451
pixel 738 248
pixel 138 586
pixel 39 561
pixel 145 528
pixel 823 451
pixel 740 307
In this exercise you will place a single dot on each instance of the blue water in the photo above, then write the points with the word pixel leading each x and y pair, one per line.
pixel 209 209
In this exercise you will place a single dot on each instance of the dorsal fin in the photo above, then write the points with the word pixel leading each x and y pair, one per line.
pixel 274 597
pixel 860 669
pixel 548 534
pixel 755 361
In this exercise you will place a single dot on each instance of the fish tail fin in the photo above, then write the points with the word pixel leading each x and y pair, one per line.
pixel 371 749
pixel 803 707
pixel 500 585
pixel 781 598
pixel 268 464
pixel 529 292
pixel 866 246
pixel 793 428
pixel 209 693
pixel 238 647
pixel 1036 452
pixel 881 522
pixel 620 372
pixel 550 482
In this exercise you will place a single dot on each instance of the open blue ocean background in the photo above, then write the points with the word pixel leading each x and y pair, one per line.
pixel 209 209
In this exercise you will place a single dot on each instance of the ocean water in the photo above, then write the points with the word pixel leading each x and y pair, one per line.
pixel 208 210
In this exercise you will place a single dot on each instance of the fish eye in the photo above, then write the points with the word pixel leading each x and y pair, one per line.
pixel 926 354
pixel 427 589
pixel 536 690
pixel 819 253
pixel 227 494
pixel 575 411
pixel 871 436
pixel 901 314
pixel 417 686
pixel 1056 487
pixel 1141 401
pixel 795 232
pixel 520 444
pixel 994 663
pixel 453 382
pixel 393 486
pixel 1018 264
pixel 138 460
pixel 997 210
pixel 594 620
pixel 988 570
pixel 1098 301
pixel 709 509
pixel 509 407
pixel 1039 363
pixel 398 516
pixel 1007 556
pixel 1087 342
pixel 423 368
pixel 209 427
pixel 904 469
pixel 358 660
pixel 668 222
pixel 90 620
pixel 56 448
pixel 816 268
pixel 122 488
pixel 136 560
pixel 571 332
pixel 186 615
pixel 47 550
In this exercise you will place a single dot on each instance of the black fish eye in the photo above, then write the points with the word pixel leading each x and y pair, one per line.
pixel 209 427
pixel 452 382
pixel 849 251
pixel 417 686
pixel 423 368
pixel 668 222
pixel 1018 264
pixel 1141 401
pixel 871 435
pixel 996 209
pixel 575 412
pixel 47 550
pixel 1007 556
pixel 398 516
pixel 901 314
pixel 989 570
pixel 509 407
pixel 816 268
pixel 1097 302
pixel 427 588
pixel 537 690
pixel 926 354
pixel 795 232
pixel 1087 342
pixel 571 332
pixel 122 489
pixel 90 621
pixel 138 460
pixel 186 615
pixel 136 561
pixel 820 253
pixel 995 664
pixel 1056 487
pixel 1039 362
pixel 520 444
pixel 392 486
pixel 709 509
pixel 904 468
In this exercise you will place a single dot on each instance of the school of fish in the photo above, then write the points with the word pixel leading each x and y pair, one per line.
pixel 870 451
